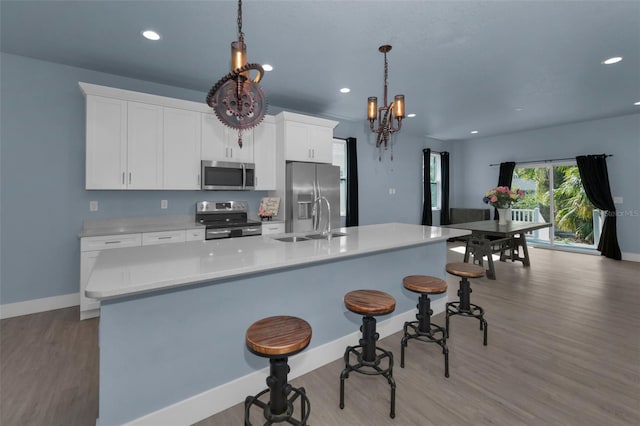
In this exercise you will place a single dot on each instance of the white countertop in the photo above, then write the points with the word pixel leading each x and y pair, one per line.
pixel 134 270
pixel 134 225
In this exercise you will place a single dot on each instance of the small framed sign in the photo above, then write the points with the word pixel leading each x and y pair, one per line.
pixel 269 207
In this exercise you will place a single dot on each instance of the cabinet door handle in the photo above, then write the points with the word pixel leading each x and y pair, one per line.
pixel 231 149
pixel 164 238
pixel 112 242
pixel 129 178
pixel 123 178
pixel 199 180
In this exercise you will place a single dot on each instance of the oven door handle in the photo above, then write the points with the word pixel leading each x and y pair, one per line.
pixel 219 232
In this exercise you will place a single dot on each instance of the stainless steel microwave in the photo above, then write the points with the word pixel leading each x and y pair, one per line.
pixel 228 176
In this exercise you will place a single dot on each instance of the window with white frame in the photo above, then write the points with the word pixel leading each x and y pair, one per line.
pixel 340 160
pixel 435 181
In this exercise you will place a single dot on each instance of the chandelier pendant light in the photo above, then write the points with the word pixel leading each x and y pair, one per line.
pixel 386 113
pixel 236 99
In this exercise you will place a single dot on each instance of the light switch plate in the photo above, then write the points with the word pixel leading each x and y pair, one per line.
pixel 93 206
pixel 164 204
pixel 617 200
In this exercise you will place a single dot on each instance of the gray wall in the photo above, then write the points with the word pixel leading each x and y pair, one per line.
pixel 619 136
pixel 43 199
pixel 44 203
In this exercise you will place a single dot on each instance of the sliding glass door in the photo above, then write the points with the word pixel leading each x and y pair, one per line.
pixel 554 194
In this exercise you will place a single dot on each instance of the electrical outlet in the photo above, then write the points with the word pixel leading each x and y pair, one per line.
pixel 164 204
pixel 617 200
pixel 93 206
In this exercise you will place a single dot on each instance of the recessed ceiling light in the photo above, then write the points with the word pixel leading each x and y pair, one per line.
pixel 345 90
pixel 411 115
pixel 613 60
pixel 474 132
pixel 151 35
pixel 637 103
pixel 267 67
pixel 518 109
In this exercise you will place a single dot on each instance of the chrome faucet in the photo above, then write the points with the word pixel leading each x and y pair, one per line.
pixel 318 202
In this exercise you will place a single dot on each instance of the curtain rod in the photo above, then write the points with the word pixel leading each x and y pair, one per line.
pixel 548 161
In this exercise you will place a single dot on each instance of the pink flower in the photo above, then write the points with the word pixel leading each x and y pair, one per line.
pixel 493 199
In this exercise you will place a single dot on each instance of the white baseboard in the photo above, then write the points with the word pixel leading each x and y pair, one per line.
pixel 39 305
pixel 208 403
pixel 631 257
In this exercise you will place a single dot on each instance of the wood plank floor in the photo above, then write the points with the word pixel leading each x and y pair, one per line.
pixel 564 349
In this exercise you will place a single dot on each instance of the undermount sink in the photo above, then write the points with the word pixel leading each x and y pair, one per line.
pixel 292 239
pixel 325 236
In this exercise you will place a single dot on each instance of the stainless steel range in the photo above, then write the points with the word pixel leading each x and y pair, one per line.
pixel 225 219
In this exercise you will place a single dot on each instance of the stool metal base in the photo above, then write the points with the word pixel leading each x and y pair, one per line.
pixel 369 359
pixel 424 331
pixel 279 408
pixel 436 334
pixel 466 309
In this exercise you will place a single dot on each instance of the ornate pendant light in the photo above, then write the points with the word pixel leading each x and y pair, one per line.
pixel 236 99
pixel 385 113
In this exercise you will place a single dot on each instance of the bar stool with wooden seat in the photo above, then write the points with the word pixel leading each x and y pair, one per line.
pixel 369 357
pixel 464 306
pixel 277 338
pixel 422 329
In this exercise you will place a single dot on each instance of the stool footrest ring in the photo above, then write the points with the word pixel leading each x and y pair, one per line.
pixel 437 335
pixel 305 408
pixel 474 311
pixel 369 368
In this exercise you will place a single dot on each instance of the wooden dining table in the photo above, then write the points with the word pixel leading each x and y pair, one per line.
pixel 488 237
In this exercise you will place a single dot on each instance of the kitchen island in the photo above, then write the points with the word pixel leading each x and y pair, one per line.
pixel 174 316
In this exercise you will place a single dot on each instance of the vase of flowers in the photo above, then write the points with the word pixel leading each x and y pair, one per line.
pixel 501 198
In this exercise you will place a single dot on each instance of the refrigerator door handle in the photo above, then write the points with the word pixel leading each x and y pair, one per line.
pixel 315 212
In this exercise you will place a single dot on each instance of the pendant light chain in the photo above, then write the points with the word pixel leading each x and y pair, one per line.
pixel 240 33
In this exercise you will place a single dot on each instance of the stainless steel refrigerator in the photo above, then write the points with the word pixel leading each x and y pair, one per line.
pixel 307 184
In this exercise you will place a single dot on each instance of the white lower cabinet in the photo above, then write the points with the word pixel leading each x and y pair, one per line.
pixel 163 237
pixel 272 228
pixel 90 248
pixel 195 234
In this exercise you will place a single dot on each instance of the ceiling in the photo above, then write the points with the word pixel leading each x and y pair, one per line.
pixel 491 66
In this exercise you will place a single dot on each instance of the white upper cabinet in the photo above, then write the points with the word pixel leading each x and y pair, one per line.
pixel 306 138
pixel 106 143
pixel 220 143
pixel 144 146
pixel 181 153
pixel 141 141
pixel 124 145
pixel 264 152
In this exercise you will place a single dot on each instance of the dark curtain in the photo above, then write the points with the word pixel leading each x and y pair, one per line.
pixel 595 180
pixel 504 179
pixel 444 170
pixel 427 218
pixel 352 183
